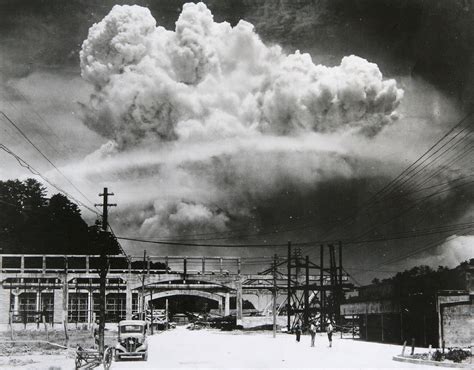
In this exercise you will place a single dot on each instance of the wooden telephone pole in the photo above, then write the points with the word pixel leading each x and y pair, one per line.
pixel 104 264
pixel 274 295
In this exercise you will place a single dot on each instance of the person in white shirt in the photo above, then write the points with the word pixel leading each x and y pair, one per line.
pixel 329 330
pixel 312 331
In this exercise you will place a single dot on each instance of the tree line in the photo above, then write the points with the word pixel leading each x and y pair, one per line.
pixel 31 223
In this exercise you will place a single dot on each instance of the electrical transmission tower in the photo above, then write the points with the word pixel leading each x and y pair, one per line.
pixel 313 292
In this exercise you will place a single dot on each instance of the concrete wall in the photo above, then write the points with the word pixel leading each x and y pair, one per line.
pixel 383 328
pixel 260 301
pixel 58 315
pixel 4 307
pixel 256 321
pixel 457 323
pixel 369 307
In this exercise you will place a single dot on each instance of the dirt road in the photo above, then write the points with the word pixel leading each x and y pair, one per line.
pixel 181 348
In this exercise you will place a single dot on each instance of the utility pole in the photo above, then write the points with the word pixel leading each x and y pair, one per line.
pixel 322 291
pixel 143 287
pixel 288 298
pixel 306 294
pixel 274 295
pixel 340 291
pixel 104 264
pixel 152 307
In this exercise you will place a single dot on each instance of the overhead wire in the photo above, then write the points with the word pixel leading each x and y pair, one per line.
pixel 396 236
pixel 459 123
pixel 415 166
pixel 420 160
pixel 44 156
pixel 230 234
pixel 35 172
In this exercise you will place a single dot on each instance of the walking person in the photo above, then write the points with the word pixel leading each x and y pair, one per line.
pixel 298 332
pixel 329 330
pixel 312 332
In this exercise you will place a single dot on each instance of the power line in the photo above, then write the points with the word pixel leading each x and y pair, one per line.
pixel 120 245
pixel 9 204
pixel 425 247
pixel 39 132
pixel 430 163
pixel 184 244
pixel 369 203
pixel 35 172
pixel 411 166
pixel 410 208
pixel 305 226
pixel 392 185
pixel 230 234
pixel 424 232
pixel 44 156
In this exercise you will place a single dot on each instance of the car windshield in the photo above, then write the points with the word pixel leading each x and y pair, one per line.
pixel 131 328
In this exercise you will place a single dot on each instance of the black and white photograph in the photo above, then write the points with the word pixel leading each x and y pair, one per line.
pixel 236 184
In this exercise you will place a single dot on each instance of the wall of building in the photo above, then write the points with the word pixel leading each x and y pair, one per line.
pixel 258 321
pixel 457 323
pixel 380 328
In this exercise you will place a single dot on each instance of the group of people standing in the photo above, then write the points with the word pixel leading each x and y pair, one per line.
pixel 312 332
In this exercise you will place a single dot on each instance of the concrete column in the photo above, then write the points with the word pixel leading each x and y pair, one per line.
pixel 128 301
pixel 90 307
pixel 87 264
pixel 220 305
pixel 65 299
pixel 4 306
pixel 139 303
pixel 227 304
pixel 147 301
pixel 38 301
pixel 239 302
pixel 58 306
pixel 16 304
pixel 381 324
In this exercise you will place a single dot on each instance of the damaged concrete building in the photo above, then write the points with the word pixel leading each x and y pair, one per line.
pixel 435 308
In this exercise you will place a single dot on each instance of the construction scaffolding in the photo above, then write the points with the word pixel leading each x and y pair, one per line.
pixel 313 292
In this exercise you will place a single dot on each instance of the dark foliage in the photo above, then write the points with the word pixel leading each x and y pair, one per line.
pixel 438 356
pixel 456 355
pixel 32 224
pixel 425 280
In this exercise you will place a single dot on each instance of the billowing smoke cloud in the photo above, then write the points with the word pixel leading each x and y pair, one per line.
pixel 209 79
pixel 207 122
pixel 456 249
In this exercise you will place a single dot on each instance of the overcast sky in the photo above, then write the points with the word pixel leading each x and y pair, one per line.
pixel 203 128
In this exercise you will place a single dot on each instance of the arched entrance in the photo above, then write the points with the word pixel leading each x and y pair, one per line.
pixel 184 303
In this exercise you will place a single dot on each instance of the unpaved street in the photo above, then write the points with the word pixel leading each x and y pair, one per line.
pixel 182 348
